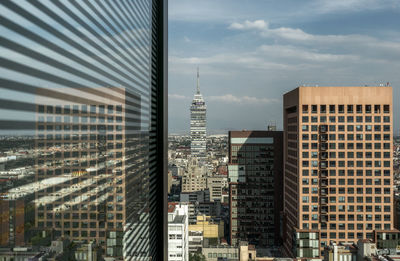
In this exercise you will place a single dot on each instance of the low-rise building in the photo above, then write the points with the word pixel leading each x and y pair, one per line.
pixel 195 241
pixel 336 252
pixel 242 252
pixel 178 233
pixel 212 230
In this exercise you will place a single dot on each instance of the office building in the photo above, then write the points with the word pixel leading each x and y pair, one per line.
pixel 198 125
pixel 216 185
pixel 195 178
pixel 255 188
pixel 89 81
pixel 178 232
pixel 338 160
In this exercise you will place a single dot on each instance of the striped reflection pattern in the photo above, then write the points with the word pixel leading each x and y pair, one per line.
pixel 82 126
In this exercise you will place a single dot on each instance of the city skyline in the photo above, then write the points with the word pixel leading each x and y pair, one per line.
pixel 290 148
pixel 251 53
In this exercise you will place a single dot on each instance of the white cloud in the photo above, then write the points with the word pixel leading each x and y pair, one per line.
pixel 265 31
pixel 186 39
pixel 250 60
pixel 229 98
pixel 354 44
pixel 257 24
pixel 177 97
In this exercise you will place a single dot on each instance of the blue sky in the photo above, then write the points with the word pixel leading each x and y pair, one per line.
pixel 250 52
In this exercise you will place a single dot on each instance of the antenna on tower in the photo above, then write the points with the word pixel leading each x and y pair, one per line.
pixel 198 80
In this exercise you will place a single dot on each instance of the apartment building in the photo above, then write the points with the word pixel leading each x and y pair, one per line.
pixel 338 177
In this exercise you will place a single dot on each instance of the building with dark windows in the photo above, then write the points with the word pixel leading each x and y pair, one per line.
pixel 86 82
pixel 255 188
pixel 338 167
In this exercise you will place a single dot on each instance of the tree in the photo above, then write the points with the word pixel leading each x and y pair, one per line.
pixel 197 257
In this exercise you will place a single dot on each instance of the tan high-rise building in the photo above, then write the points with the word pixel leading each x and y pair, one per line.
pixel 338 178
pixel 195 179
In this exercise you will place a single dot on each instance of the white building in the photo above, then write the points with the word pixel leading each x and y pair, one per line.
pixel 198 125
pixel 178 232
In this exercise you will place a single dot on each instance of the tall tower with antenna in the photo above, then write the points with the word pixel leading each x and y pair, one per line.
pixel 198 125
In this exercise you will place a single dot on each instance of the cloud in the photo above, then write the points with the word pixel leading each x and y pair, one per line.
pixel 186 39
pixel 297 53
pixel 329 6
pixel 177 97
pixel 229 98
pixel 249 60
pixel 351 45
pixel 257 24
pixel 263 28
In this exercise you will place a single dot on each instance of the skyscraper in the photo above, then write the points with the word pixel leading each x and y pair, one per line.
pixel 338 160
pixel 198 125
pixel 88 81
pixel 255 188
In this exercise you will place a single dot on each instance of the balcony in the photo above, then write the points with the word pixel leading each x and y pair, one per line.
pixel 323 173
pixel 323 164
pixel 323 155
pixel 323 137
pixel 323 146
pixel 324 200
pixel 324 191
pixel 323 128
pixel 324 182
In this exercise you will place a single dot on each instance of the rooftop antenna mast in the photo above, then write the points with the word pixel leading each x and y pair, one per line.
pixel 198 80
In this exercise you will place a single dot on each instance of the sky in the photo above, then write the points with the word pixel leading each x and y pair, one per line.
pixel 251 52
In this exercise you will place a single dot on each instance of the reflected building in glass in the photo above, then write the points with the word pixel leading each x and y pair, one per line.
pixel 83 125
